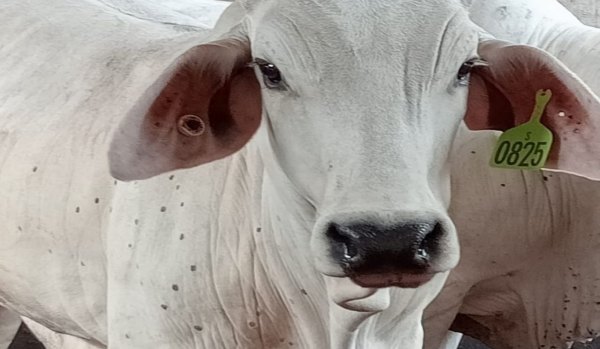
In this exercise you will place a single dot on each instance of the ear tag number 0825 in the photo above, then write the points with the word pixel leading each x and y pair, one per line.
pixel 526 147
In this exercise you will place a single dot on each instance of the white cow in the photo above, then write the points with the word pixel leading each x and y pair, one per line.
pixel 529 275
pixel 332 137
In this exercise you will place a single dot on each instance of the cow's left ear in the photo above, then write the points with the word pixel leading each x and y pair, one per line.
pixel 502 95
pixel 206 106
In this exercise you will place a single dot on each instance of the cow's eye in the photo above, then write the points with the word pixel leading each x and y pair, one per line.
pixel 462 77
pixel 271 74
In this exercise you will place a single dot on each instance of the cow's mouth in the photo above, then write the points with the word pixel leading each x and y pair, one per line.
pixel 404 280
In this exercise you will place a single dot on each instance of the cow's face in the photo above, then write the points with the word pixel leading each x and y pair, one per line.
pixel 361 101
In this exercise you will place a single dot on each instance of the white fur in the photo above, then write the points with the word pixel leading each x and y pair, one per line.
pixel 223 255
pixel 9 325
pixel 529 264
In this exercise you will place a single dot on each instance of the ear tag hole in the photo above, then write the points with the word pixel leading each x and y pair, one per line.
pixel 527 146
pixel 191 125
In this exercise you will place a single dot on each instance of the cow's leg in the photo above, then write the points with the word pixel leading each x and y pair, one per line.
pixel 55 340
pixel 9 326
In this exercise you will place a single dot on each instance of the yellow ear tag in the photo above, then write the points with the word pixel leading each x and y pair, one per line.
pixel 527 146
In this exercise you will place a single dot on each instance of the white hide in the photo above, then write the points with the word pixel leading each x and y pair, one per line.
pixel 182 13
pixel 9 325
pixel 528 276
pixel 545 24
pixel 55 340
pixel 216 256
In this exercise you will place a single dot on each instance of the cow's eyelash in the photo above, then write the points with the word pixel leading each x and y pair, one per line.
pixel 462 77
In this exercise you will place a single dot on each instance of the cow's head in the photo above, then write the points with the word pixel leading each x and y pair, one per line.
pixel 360 101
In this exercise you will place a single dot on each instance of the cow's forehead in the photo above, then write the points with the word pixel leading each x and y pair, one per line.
pixel 323 36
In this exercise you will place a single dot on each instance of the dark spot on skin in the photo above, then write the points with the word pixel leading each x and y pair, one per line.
pixel 193 268
pixel 164 306
pixel 252 324
pixel 35 169
pixel 182 204
pixel 545 178
pixel 110 209
pixel 136 221
pixel 129 245
pixel 49 251
pixel 570 117
pixel 157 124
pixel 163 209
pixel 198 328
pixel 258 230
pixel 77 209
pixel 303 291
pixel 126 336
pixel 181 237
pixel 473 152
pixel 96 200
pixel 175 287
pixel 503 185
pixel 19 228
pixel 291 344
pixel 177 187
pixel 82 263
pixel 281 340
pixel 171 177
pixel 115 182
pixel 575 288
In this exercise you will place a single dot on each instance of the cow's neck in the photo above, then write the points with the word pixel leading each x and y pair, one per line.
pixel 533 237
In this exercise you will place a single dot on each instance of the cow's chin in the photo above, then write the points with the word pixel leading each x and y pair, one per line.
pixel 403 280
pixel 348 295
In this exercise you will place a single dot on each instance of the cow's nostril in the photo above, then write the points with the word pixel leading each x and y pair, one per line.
pixel 344 242
pixel 430 242
pixel 373 249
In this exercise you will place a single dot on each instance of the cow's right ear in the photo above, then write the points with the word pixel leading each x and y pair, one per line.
pixel 502 96
pixel 206 106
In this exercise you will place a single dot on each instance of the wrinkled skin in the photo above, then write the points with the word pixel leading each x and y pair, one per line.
pixel 232 252
pixel 528 276
pixel 223 254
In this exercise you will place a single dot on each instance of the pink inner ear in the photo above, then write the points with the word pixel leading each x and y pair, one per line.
pixel 209 81
pixel 502 96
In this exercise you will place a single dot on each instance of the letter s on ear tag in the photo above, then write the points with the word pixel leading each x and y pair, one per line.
pixel 526 147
